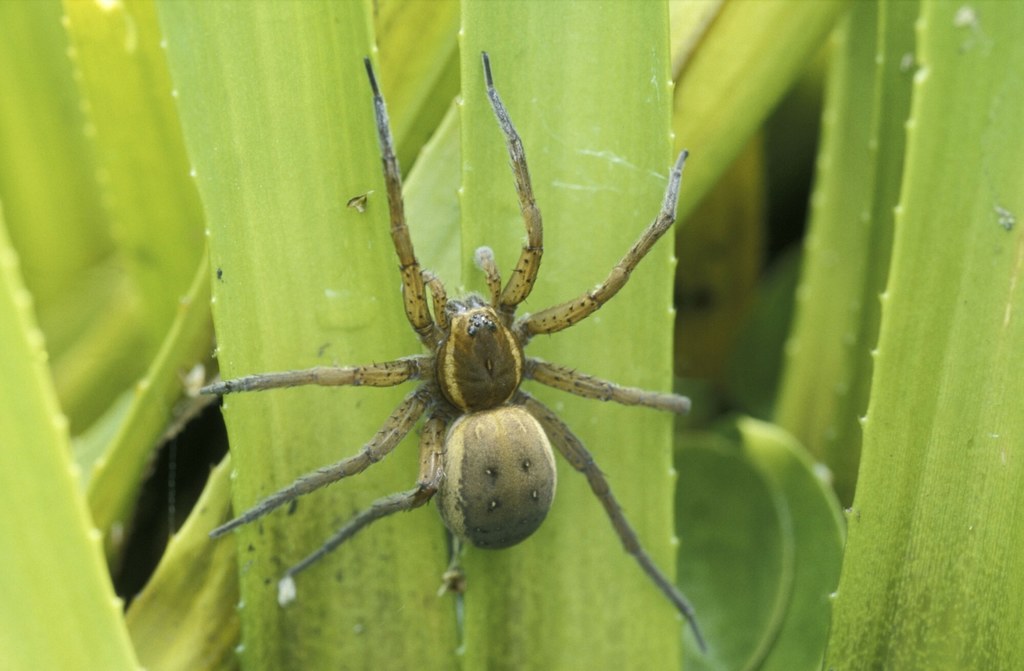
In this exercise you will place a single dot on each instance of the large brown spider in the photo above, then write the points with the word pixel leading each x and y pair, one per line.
pixel 485 447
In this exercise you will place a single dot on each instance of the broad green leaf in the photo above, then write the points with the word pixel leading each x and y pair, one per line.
pixel 931 574
pixel 593 113
pixel 818 533
pixel 278 122
pixel 58 609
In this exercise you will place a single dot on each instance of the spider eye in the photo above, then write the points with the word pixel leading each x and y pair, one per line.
pixel 480 321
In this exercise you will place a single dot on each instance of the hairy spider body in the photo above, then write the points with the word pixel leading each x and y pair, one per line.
pixel 485 445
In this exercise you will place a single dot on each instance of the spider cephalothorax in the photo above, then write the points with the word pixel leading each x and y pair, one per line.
pixel 480 361
pixel 485 446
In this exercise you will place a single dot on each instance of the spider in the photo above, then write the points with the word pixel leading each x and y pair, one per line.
pixel 485 446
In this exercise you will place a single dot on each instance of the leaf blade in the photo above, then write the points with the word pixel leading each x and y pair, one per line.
pixel 599 173
pixel 279 124
pixel 937 512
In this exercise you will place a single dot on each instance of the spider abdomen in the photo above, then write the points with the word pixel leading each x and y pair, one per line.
pixel 499 477
pixel 480 363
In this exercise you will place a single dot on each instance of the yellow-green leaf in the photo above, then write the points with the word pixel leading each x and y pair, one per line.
pixel 931 575
pixel 593 111
pixel 58 609
pixel 279 126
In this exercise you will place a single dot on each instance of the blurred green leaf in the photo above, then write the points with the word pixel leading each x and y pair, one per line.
pixel 747 56
pixel 114 478
pixel 419 67
pixel 818 532
pixel 736 557
pixel 827 374
pixel 48 172
pixel 59 610
pixel 764 550
pixel 432 200
pixel 57 215
pixel 756 362
pixel 154 210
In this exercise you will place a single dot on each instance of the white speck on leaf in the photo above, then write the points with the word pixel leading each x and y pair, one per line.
pixel 286 590
pixel 1006 218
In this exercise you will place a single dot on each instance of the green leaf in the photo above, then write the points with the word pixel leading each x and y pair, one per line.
pixel 818 534
pixel 431 199
pixel 58 218
pixel 154 210
pixel 48 171
pixel 278 121
pixel 745 58
pixel 736 562
pixel 755 365
pixel 114 478
pixel 765 547
pixel 59 610
pixel 419 68
pixel 593 113
pixel 828 370
pixel 930 577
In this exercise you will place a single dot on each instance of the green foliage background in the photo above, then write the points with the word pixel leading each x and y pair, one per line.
pixel 168 167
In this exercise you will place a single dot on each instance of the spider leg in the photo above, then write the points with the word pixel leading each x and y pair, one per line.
pixel 439 297
pixel 588 386
pixel 525 273
pixel 566 314
pixel 412 281
pixel 431 452
pixel 580 458
pixel 397 425
pixel 484 258
pixel 385 374
pixel 453 579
